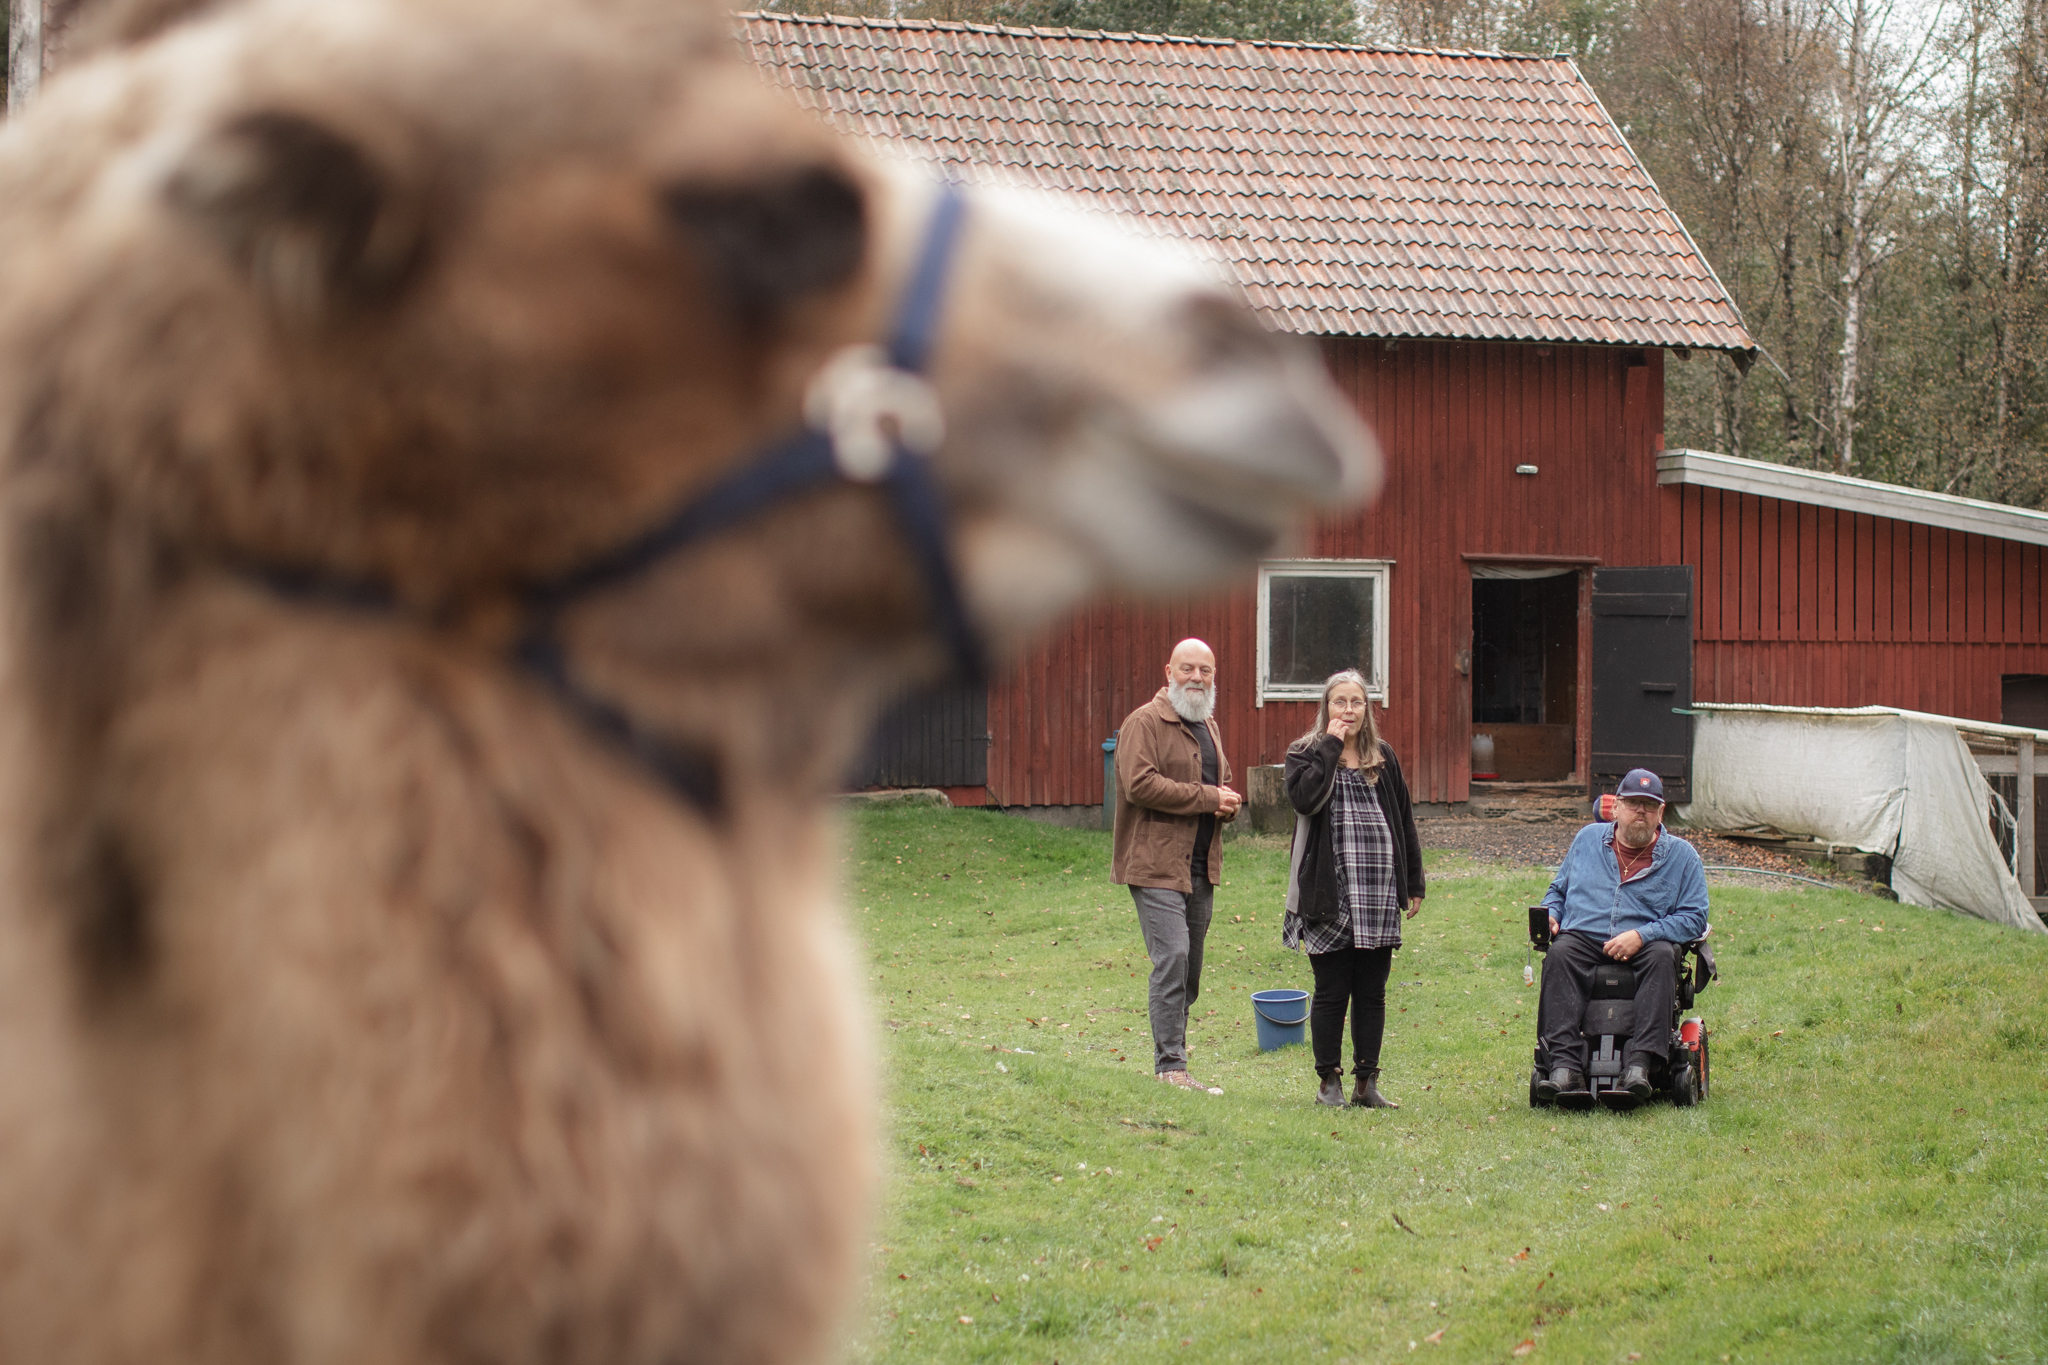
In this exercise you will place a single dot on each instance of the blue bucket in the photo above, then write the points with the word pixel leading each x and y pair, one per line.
pixel 1283 1018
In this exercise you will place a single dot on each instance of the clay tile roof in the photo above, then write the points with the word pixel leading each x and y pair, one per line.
pixel 1362 191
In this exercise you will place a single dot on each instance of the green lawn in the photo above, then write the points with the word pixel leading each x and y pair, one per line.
pixel 1869 1179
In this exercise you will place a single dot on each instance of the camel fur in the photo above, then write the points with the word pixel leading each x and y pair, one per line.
pixel 357 1002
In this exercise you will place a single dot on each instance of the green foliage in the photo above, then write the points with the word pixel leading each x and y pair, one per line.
pixel 1868 1181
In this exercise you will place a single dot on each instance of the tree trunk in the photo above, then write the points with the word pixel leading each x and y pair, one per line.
pixel 1854 157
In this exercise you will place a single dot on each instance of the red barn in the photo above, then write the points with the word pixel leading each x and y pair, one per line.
pixel 1497 283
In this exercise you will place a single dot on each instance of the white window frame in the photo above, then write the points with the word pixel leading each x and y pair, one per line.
pixel 1380 570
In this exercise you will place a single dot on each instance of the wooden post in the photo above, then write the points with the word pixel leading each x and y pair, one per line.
pixel 2025 814
pixel 24 51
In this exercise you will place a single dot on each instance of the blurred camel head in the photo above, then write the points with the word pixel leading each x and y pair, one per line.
pixel 364 995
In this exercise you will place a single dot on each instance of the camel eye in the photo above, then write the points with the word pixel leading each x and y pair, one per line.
pixel 766 244
pixel 306 214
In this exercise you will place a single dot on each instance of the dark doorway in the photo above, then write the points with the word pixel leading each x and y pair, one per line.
pixel 2024 701
pixel 1642 676
pixel 1525 671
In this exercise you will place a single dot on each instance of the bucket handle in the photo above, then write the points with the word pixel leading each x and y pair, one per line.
pixel 1260 1007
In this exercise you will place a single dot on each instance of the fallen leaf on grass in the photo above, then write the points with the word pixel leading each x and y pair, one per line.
pixel 1401 1223
pixel 1152 1243
pixel 1523 1349
pixel 966 1321
pixel 1434 1337
pixel 903 1277
pixel 1521 1255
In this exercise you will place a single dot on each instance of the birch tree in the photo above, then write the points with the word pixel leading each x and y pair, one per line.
pixel 1883 73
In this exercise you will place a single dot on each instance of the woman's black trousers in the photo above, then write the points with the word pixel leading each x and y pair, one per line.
pixel 1357 978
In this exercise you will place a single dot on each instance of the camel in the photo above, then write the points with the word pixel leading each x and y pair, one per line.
pixel 369 993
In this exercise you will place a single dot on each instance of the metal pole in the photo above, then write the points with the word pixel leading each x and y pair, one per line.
pixel 2025 813
pixel 1109 783
pixel 24 51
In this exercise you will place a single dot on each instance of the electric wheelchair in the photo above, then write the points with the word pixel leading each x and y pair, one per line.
pixel 1610 1019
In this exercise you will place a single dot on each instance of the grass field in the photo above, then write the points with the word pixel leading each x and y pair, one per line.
pixel 1868 1181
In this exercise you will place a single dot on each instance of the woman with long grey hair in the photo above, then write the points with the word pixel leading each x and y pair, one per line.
pixel 1357 865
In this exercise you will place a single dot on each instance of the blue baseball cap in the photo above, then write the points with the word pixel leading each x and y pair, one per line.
pixel 1641 782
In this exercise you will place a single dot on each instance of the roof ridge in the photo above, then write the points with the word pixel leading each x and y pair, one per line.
pixel 1113 35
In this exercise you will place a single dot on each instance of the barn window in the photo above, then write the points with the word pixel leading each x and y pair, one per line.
pixel 1317 616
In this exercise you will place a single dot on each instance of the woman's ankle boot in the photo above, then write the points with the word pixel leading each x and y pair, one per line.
pixel 1366 1094
pixel 1330 1091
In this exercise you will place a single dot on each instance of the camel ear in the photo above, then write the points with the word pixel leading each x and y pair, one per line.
pixel 303 212
pixel 767 243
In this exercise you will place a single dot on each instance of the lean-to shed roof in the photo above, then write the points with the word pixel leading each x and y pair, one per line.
pixel 1353 190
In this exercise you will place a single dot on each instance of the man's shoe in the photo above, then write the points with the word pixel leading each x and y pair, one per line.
pixel 1570 1087
pixel 1330 1090
pixel 1366 1094
pixel 1632 1090
pixel 1187 1082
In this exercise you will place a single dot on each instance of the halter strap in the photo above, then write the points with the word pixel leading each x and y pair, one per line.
pixel 807 460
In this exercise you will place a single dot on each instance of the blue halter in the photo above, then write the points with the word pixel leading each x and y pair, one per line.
pixel 808 460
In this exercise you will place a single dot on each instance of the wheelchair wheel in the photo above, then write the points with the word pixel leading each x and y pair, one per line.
pixel 1703 1064
pixel 1685 1087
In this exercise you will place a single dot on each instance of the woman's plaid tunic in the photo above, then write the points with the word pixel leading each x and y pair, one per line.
pixel 1369 914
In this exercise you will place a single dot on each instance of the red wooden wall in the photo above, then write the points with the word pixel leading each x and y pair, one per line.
pixel 1454 419
pixel 1810 606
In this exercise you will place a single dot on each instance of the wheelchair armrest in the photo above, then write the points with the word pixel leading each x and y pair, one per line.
pixel 1539 928
pixel 1704 969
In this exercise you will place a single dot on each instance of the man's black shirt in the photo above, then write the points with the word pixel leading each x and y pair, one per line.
pixel 1205 828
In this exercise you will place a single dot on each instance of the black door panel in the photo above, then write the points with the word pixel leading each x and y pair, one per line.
pixel 1642 673
pixel 929 739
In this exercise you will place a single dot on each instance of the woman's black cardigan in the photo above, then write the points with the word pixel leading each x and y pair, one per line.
pixel 1311 777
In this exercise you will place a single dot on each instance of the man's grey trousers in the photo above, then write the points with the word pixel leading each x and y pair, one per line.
pixel 1175 926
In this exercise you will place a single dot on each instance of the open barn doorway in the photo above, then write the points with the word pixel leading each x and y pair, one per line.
pixel 1525 672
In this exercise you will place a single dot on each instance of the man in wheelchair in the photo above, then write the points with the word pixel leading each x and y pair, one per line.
pixel 1625 907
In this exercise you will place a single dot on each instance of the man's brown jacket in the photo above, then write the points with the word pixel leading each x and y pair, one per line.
pixel 1160 799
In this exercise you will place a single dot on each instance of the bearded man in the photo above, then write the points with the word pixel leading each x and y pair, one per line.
pixel 1625 893
pixel 1172 784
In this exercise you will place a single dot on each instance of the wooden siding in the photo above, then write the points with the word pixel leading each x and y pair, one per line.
pixel 1810 606
pixel 1454 419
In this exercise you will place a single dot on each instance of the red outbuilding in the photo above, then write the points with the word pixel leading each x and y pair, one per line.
pixel 1497 284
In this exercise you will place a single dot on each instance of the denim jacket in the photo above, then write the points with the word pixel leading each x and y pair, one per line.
pixel 1667 902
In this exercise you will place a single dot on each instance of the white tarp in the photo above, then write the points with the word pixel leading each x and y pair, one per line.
pixel 1882 781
